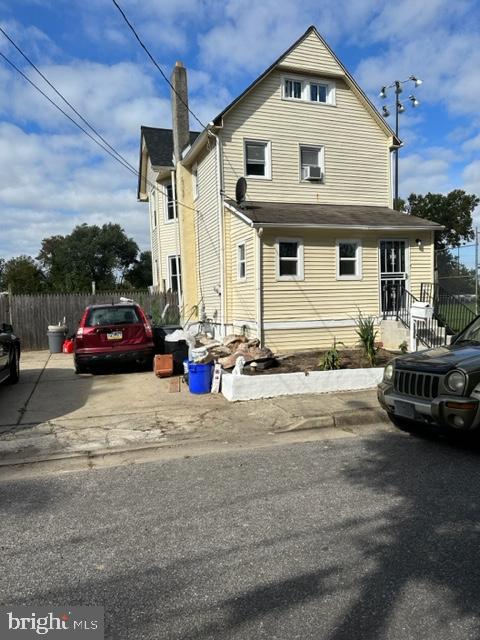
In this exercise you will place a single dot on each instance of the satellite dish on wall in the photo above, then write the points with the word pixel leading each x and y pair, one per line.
pixel 240 190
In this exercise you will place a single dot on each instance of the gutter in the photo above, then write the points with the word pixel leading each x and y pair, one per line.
pixel 279 225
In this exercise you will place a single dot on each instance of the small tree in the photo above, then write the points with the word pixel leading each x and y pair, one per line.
pixel 22 275
pixel 454 211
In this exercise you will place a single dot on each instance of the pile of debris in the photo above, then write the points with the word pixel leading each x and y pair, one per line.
pixel 230 349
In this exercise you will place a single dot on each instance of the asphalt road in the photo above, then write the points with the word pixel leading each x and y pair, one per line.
pixel 361 538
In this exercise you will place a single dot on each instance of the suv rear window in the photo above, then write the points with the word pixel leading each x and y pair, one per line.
pixel 112 315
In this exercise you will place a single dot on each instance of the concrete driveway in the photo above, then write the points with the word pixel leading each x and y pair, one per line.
pixel 53 414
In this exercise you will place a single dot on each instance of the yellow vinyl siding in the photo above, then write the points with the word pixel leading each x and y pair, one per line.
pixel 209 245
pixel 310 54
pixel 187 228
pixel 421 261
pixel 320 296
pixel 241 298
pixel 356 149
pixel 282 341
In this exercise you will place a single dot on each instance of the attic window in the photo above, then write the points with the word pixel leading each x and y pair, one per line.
pixel 306 90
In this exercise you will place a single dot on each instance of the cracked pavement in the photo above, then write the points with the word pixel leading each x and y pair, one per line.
pixel 53 412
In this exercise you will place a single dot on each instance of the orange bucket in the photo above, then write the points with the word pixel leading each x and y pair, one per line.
pixel 163 365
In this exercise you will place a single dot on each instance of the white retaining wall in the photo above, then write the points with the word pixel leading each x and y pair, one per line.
pixel 254 387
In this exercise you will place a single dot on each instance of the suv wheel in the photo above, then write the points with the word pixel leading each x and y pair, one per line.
pixel 14 368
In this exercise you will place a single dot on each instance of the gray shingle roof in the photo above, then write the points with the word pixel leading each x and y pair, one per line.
pixel 329 215
pixel 159 144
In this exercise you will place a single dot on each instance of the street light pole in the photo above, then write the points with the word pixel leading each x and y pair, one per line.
pixel 399 108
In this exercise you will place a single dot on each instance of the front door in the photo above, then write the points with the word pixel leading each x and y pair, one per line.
pixel 393 275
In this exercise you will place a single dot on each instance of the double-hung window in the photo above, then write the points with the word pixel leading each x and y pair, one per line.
pixel 289 258
pixel 175 273
pixel 349 260
pixel 311 163
pixel 241 261
pixel 153 204
pixel 170 203
pixel 318 92
pixel 293 89
pixel 257 159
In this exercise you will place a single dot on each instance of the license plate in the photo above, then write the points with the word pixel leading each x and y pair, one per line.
pixel 404 409
pixel 115 335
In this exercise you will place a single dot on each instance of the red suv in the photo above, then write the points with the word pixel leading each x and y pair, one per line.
pixel 112 333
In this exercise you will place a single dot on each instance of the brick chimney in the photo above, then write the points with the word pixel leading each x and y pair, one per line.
pixel 180 122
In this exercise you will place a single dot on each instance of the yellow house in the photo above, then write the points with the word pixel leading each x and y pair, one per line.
pixel 282 208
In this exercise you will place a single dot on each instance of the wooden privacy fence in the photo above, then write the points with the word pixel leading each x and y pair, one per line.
pixel 30 315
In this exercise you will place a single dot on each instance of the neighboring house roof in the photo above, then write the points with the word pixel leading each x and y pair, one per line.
pixel 159 143
pixel 296 214
pixel 159 146
pixel 350 80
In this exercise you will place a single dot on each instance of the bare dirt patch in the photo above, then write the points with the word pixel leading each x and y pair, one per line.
pixel 310 361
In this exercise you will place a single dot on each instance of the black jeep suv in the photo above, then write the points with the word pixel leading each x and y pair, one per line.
pixel 438 386
pixel 9 355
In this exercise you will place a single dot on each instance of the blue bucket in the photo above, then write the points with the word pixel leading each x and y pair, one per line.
pixel 200 377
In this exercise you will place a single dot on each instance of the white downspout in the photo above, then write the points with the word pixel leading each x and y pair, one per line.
pixel 259 278
pixel 220 229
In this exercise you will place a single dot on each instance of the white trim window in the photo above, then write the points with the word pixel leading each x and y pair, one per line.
pixel 319 91
pixel 195 190
pixel 175 274
pixel 311 156
pixel 290 258
pixel 349 260
pixel 258 159
pixel 241 262
pixel 170 208
pixel 153 205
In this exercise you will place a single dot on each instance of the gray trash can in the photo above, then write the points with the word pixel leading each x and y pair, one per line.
pixel 56 336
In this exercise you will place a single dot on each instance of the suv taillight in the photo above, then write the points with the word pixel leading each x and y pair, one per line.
pixel 148 330
pixel 80 332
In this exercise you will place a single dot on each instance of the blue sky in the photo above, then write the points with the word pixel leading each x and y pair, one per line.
pixel 53 177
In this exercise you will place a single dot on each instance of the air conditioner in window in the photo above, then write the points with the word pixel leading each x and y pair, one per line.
pixel 313 173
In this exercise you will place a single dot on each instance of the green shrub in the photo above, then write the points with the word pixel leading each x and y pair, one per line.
pixel 367 334
pixel 332 358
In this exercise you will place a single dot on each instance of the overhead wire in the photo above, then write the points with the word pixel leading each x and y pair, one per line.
pixel 67 102
pixel 118 157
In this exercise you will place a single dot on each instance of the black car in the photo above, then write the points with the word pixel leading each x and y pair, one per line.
pixel 9 355
pixel 438 386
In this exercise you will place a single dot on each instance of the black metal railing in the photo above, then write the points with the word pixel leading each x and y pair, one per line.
pixel 448 310
pixel 397 302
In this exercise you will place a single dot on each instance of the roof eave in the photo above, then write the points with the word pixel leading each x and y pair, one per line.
pixel 387 227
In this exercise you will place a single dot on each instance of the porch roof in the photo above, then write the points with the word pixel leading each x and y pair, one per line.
pixel 297 214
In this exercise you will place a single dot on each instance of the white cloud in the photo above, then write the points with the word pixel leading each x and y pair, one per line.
pixel 50 183
pixel 429 171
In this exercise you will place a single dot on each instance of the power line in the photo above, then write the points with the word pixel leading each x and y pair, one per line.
pixel 60 95
pixel 118 157
pixel 132 28
pixel 52 102
pixel 144 47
